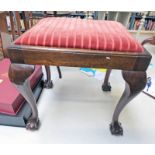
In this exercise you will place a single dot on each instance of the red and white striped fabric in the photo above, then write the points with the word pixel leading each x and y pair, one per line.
pixel 80 33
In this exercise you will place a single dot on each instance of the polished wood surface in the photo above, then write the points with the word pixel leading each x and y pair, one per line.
pixel 79 57
pixel 134 84
pixel 19 73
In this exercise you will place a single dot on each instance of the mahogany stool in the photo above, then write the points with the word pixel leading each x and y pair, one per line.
pixel 79 43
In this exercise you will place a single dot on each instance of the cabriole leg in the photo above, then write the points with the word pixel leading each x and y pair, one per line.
pixel 134 83
pixel 18 75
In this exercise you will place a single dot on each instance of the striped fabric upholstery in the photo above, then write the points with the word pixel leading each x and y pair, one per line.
pixel 80 33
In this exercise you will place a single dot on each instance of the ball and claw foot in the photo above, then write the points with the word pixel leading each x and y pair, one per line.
pixel 32 124
pixel 106 87
pixel 48 84
pixel 116 129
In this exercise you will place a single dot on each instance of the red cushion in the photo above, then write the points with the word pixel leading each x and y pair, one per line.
pixel 80 33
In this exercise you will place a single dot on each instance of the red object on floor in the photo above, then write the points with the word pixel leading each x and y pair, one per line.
pixel 10 99
pixel 80 33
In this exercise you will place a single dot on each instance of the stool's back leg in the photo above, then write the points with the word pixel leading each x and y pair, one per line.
pixel 18 75
pixel 135 83
pixel 48 82
pixel 59 72
pixel 106 85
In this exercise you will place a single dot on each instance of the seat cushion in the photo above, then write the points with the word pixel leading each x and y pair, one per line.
pixel 80 33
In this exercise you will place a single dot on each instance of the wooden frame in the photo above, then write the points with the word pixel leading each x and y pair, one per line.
pixel 79 57
pixel 133 66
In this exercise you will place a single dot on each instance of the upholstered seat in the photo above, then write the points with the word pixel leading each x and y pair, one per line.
pixel 83 34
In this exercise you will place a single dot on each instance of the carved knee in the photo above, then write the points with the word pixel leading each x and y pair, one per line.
pixel 19 73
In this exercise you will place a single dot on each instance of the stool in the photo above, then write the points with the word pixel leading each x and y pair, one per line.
pixel 79 43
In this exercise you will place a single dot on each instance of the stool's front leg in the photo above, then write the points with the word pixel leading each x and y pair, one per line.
pixel 18 75
pixel 134 83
